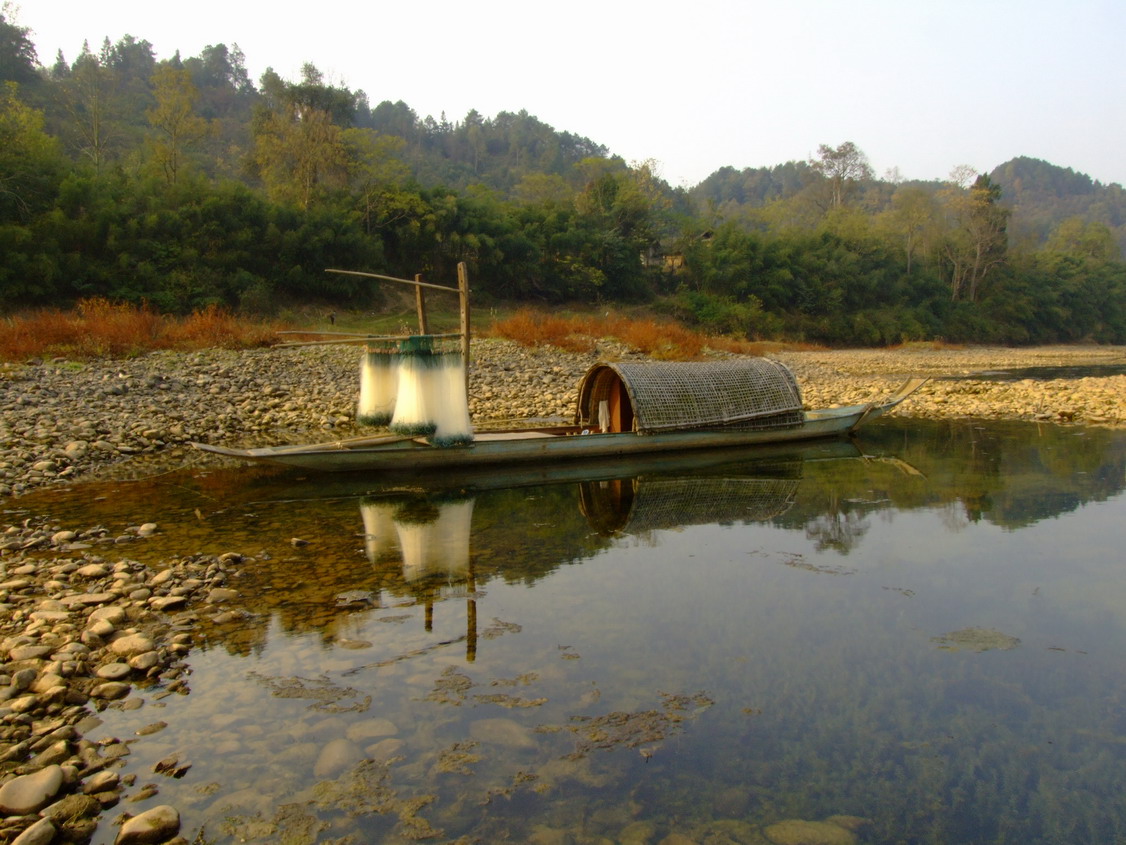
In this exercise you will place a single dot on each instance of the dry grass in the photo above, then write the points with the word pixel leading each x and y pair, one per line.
pixel 98 328
pixel 656 338
pixel 580 334
pixel 938 345
pixel 215 327
pixel 536 328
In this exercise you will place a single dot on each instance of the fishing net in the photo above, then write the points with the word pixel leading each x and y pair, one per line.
pixel 379 384
pixel 431 400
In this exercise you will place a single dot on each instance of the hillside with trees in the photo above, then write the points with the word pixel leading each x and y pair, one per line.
pixel 184 183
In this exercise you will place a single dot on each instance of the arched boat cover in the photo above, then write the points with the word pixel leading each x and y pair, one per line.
pixel 653 396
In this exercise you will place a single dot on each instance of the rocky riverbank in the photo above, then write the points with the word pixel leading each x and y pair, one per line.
pixel 82 622
pixel 862 375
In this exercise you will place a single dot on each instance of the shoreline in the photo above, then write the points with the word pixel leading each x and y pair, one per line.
pixel 62 419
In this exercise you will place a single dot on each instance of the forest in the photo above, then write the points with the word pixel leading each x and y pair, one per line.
pixel 184 184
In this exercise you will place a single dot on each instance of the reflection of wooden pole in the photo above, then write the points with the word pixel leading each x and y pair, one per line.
pixel 471 617
pixel 429 625
pixel 463 297
pixel 420 304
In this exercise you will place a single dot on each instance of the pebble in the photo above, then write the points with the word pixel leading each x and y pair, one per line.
pixel 114 671
pixel 111 690
pixel 150 827
pixel 103 781
pixel 132 644
pixel 40 833
pixel 30 793
pixel 69 652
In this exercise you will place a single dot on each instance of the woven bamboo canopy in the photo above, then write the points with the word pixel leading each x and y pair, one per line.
pixel 653 396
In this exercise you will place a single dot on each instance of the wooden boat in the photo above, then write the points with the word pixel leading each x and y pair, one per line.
pixel 625 409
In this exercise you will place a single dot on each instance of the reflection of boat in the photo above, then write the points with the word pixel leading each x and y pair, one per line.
pixel 639 408
pixel 393 486
pixel 636 505
pixel 427 541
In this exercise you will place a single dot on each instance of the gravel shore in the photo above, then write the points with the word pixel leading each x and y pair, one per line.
pixel 80 623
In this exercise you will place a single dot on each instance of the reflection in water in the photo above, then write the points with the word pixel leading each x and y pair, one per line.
pixel 433 540
pixel 637 505
pixel 654 650
pixel 380 537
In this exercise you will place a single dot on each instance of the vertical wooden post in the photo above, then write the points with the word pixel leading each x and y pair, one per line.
pixel 463 296
pixel 420 304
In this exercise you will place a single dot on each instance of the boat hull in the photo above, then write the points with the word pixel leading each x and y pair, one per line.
pixel 539 445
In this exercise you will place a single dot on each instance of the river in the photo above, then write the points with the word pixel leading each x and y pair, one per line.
pixel 916 637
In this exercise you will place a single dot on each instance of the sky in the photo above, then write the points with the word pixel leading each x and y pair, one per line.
pixel 919 85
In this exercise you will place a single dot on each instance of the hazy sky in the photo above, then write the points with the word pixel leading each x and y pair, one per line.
pixel 922 85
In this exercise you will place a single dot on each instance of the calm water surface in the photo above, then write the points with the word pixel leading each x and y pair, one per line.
pixel 927 633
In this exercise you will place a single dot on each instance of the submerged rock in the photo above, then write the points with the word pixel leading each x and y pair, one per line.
pixel 370 729
pixel 336 757
pixel 801 832
pixel 975 639
pixel 502 732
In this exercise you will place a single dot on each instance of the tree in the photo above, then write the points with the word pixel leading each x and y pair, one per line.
pixel 475 136
pixel 29 159
pixel 88 96
pixel 1093 240
pixel 375 171
pixel 979 240
pixel 843 168
pixel 616 214
pixel 174 118
pixel 220 67
pixel 298 148
pixel 18 59
pixel 913 218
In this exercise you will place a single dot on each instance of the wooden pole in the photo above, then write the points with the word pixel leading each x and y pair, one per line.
pixel 463 296
pixel 345 341
pixel 394 279
pixel 420 303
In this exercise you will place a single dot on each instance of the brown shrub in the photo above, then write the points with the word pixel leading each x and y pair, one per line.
pixel 214 326
pixel 116 329
pixel 670 341
pixel 530 327
pixel 100 328
pixel 658 339
pixel 579 334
